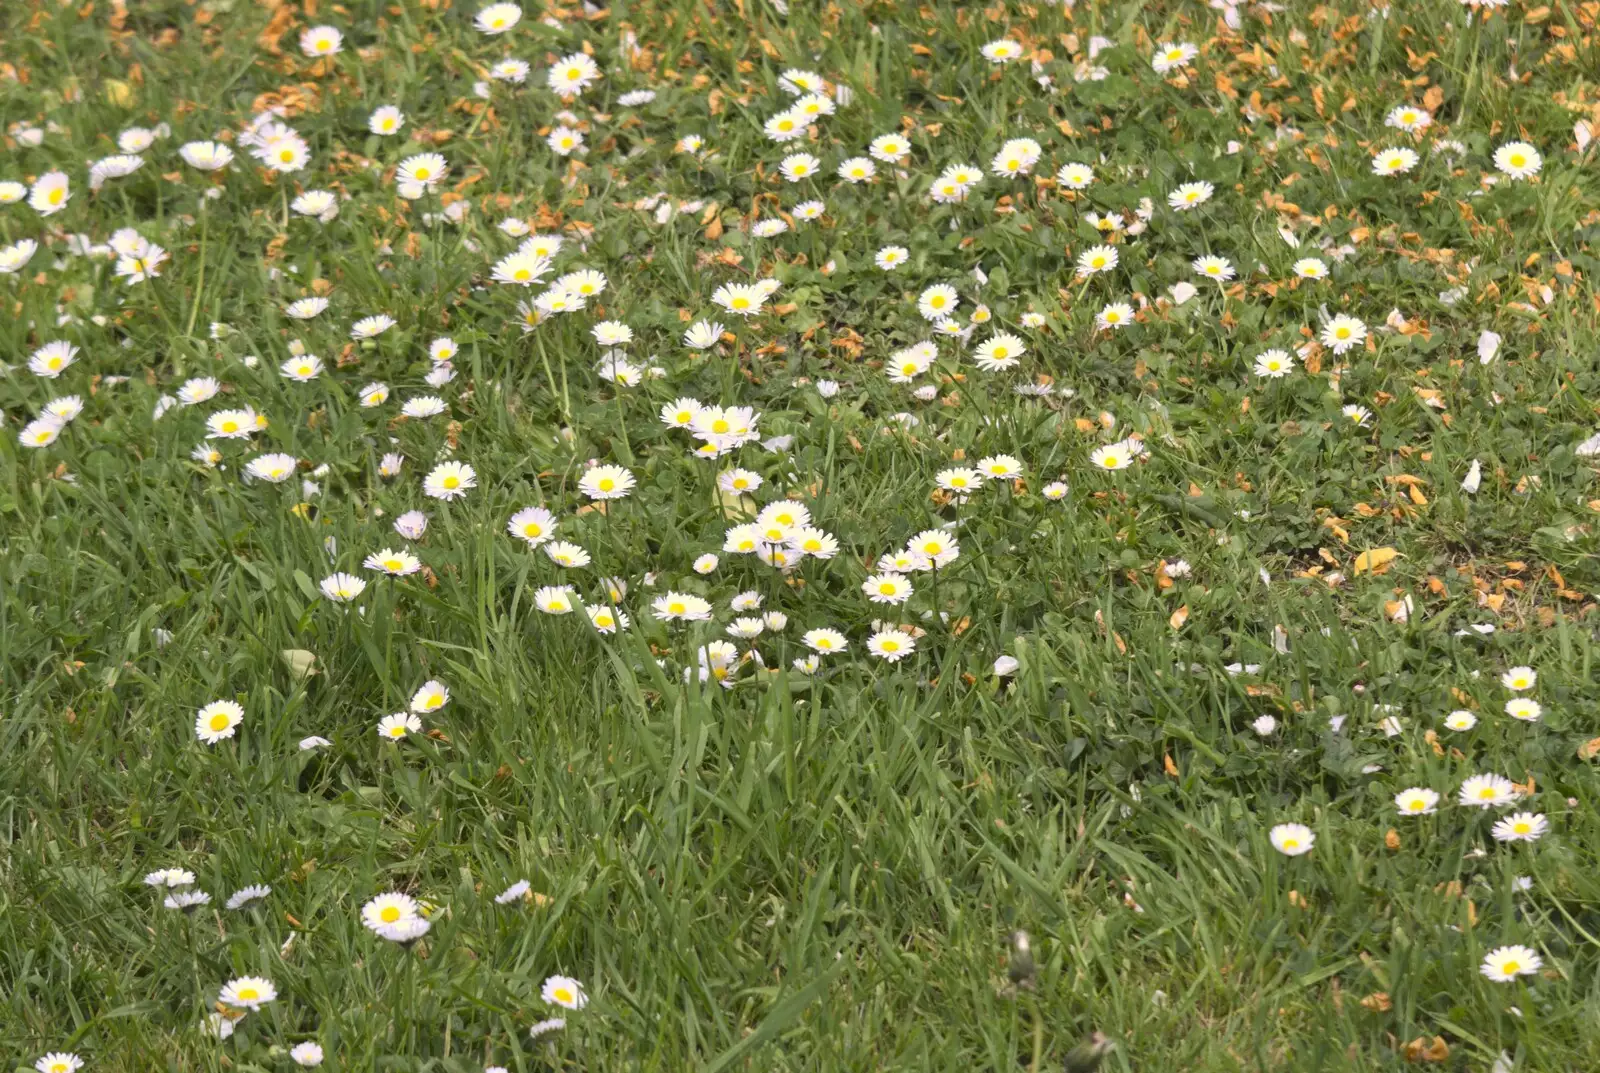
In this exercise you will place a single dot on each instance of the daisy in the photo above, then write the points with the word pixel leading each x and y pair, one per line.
pixel 394 563
pixel 1525 709
pixel 938 301
pixel 1521 827
pixel 217 720
pixel 786 126
pixel 1487 791
pixel 572 75
pixel 248 992
pixel 1518 679
pixel 1171 56
pixel 1417 801
pixel 423 406
pixel 305 308
pixel 449 480
pixel 245 895
pixel 889 148
pixel 891 257
pixel 374 394
pixel 386 120
pixel 797 82
pixel 887 588
pixel 1394 161
pixel 1213 267
pixel 1310 268
pixel 564 141
pixel 522 268
pixel 307 1053
pixel 1189 196
pixel 554 599
pixel 533 524
pixel 232 424
pixel 389 909
pixel 396 726
pixel 678 606
pixel 825 640
pixel 1000 467
pixel 1407 118
pixel 999 352
pixel 514 71
pixel 41 432
pixel 1112 456
pixel 321 41
pixel 1001 51
pixel 564 553
pixel 430 697
pixel 319 203
pixel 1460 720
pixel 425 170
pixel 1504 964
pixel 1357 415
pixel 1113 316
pixel 187 900
pixel 1097 259
pixel 1075 176
pixel 169 877
pixel 497 18
pixel 342 588
pixel 52 359
pixel 16 255
pixel 50 193
pixel 637 97
pixel 565 992
pixel 891 645
pixel 705 334
pixel 809 210
pixel 59 1062
pixel 301 369
pixel 1343 332
pixel 857 169
pixel 606 482
pixel 1519 160
pixel 960 480
pixel 799 166
pixel 605 620
pixel 742 298
pixel 938 547
pixel 371 327
pixel 1273 364
pixel 275 467
pixel 1292 839
pixel 137 269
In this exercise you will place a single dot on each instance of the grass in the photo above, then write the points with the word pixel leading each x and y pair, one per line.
pixel 809 872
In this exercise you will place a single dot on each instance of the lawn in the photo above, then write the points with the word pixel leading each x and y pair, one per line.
pixel 799 536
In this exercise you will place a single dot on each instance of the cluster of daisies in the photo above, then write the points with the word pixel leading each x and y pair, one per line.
pixel 1484 792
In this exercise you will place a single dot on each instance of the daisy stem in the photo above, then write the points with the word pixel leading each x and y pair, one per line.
pixel 200 282
pixel 622 429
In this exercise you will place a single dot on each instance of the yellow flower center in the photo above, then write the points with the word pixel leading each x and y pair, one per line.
pixel 423 173
pixel 1341 333
pixel 606 484
pixel 676 608
pixel 286 155
pixel 891 646
pixel 55 196
pixel 1001 351
pixel 573 74
pixel 390 914
pixel 1291 843
pixel 1510 967
pixel 452 482
pixel 249 994
pixel 219 722
pixel 521 274
pixel 563 994
pixel 1487 793
pixel 1517 160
